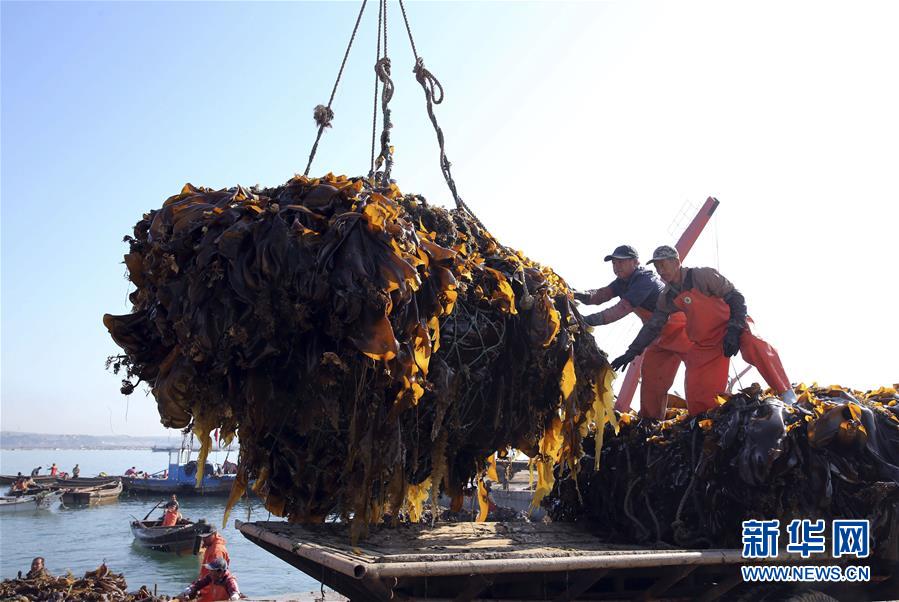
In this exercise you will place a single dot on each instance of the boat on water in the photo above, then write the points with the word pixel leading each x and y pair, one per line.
pixel 181 478
pixel 91 496
pixel 85 481
pixel 9 479
pixel 30 503
pixel 183 538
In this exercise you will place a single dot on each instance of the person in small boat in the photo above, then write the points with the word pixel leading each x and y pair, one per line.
pixel 36 471
pixel 38 570
pixel 76 471
pixel 171 515
pixel 53 470
pixel 214 545
pixel 219 584
pixel 19 484
pixel 174 500
pixel 131 472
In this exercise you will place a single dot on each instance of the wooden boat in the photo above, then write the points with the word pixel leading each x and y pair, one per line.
pixel 85 481
pixel 183 538
pixel 30 503
pixel 90 496
pixel 8 479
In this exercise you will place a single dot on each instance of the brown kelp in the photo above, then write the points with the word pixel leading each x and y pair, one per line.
pixel 98 585
pixel 363 343
pixel 692 480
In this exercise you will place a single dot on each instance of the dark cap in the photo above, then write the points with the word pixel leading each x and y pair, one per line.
pixel 218 564
pixel 664 252
pixel 622 252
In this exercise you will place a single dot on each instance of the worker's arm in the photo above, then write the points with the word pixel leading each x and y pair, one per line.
pixel 736 323
pixel 231 588
pixel 596 296
pixel 649 333
pixel 639 288
pixel 191 590
pixel 612 314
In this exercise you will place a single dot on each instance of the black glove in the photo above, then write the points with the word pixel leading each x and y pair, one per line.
pixel 622 360
pixel 582 297
pixel 732 341
pixel 595 319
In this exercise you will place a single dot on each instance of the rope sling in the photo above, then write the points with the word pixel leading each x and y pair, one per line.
pixel 380 166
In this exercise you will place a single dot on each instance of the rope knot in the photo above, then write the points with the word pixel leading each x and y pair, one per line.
pixel 428 81
pixel 382 70
pixel 323 116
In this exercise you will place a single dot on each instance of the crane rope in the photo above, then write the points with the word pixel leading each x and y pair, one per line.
pixel 323 113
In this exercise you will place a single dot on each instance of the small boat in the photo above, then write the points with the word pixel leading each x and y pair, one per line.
pixel 85 481
pixel 8 479
pixel 183 538
pixel 30 503
pixel 90 496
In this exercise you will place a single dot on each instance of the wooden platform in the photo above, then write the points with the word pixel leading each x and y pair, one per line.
pixel 464 561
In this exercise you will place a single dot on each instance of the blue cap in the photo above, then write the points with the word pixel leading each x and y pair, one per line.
pixel 218 564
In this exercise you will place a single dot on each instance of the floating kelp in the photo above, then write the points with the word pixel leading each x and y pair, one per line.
pixel 98 585
pixel 692 480
pixel 364 344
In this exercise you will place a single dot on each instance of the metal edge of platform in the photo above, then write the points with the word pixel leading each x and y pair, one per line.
pixel 359 569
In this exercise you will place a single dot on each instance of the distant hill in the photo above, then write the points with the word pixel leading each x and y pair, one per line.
pixel 19 440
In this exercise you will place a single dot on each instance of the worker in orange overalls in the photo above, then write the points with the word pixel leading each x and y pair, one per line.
pixel 718 326
pixel 214 546
pixel 639 291
pixel 218 584
pixel 171 515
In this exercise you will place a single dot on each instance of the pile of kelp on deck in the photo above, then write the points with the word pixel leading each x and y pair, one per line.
pixel 100 584
pixel 361 342
pixel 691 481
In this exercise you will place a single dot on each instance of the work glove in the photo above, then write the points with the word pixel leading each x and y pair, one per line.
pixel 595 319
pixel 622 360
pixel 732 341
pixel 583 297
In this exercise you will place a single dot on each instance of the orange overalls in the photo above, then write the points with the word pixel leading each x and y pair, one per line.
pixel 215 550
pixel 660 363
pixel 707 366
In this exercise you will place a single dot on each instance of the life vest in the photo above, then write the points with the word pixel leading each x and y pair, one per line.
pixel 170 518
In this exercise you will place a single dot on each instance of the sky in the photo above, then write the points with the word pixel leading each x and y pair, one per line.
pixel 572 128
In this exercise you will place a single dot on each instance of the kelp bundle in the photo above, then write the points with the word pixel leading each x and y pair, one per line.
pixel 99 585
pixel 691 481
pixel 363 344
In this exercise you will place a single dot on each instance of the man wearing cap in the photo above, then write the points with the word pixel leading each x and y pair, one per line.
pixel 214 544
pixel 639 291
pixel 717 325
pixel 218 584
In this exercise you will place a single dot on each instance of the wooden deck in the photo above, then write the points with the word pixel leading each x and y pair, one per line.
pixel 495 561
pixel 467 548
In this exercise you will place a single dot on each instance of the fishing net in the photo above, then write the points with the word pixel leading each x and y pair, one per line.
pixel 364 344
pixel 692 480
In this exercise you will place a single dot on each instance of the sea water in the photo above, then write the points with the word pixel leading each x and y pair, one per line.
pixel 79 539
